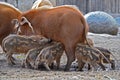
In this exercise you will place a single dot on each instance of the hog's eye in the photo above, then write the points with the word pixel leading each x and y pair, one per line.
pixel 22 19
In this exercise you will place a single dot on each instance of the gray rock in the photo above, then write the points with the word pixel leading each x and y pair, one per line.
pixel 118 20
pixel 101 22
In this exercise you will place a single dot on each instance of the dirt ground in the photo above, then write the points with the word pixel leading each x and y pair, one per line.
pixel 109 42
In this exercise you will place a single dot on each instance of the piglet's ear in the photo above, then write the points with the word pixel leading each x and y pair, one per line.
pixel 14 21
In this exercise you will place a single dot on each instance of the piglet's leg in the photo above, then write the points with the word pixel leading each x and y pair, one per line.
pixel 80 65
pixel 26 64
pixel 102 66
pixel 23 64
pixel 58 61
pixel 46 66
pixel 112 64
pixel 36 63
pixel 9 58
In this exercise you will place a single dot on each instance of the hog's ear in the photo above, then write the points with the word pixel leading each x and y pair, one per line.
pixel 15 23
pixel 25 20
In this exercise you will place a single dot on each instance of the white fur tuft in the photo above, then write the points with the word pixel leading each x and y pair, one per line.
pixel 44 7
pixel 41 3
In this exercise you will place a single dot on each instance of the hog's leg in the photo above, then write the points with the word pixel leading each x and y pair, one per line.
pixel 37 62
pixel 9 58
pixel 46 66
pixel 58 60
pixel 52 65
pixel 92 65
pixel 102 66
pixel 70 52
pixel 89 67
pixel 13 58
pixel 26 64
pixel 31 65
pixel 35 66
pixel 112 64
pixel 23 64
pixel 80 65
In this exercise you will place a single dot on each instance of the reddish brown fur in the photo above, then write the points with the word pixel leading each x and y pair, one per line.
pixel 65 24
pixel 7 13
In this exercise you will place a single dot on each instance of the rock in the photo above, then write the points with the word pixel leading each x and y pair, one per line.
pixel 101 22
pixel 118 20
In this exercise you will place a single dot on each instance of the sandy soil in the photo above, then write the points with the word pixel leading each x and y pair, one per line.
pixel 103 40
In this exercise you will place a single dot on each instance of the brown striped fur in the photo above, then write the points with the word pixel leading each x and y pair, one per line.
pixel 13 44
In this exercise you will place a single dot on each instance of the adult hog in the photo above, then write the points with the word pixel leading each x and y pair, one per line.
pixel 7 13
pixel 20 44
pixel 65 24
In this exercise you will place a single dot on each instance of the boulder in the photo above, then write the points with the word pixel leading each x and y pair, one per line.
pixel 101 22
pixel 118 21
